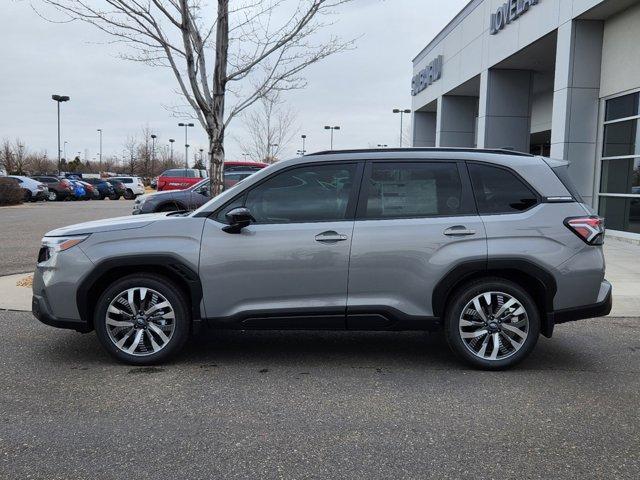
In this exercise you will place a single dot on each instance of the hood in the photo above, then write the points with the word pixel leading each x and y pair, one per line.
pixel 155 195
pixel 108 225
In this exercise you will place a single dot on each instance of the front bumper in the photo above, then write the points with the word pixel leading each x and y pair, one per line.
pixel 599 309
pixel 41 310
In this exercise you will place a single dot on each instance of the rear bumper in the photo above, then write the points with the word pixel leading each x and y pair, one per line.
pixel 599 309
pixel 40 309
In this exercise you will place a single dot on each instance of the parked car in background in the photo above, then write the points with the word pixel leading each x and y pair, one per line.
pixel 105 189
pixel 59 188
pixel 178 179
pixel 118 188
pixel 92 191
pixel 79 191
pixel 237 171
pixel 133 186
pixel 174 200
pixel 33 190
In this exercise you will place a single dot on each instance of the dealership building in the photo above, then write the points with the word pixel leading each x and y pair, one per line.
pixel 559 78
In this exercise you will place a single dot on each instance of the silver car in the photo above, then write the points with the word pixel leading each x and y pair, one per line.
pixel 492 246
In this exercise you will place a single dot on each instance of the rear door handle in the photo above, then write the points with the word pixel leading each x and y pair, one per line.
pixel 330 237
pixel 459 231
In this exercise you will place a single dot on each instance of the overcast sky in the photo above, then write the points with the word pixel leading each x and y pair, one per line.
pixel 355 90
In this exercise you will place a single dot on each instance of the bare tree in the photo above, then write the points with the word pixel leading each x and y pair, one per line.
pixel 270 127
pixel 6 157
pixel 19 156
pixel 39 163
pixel 131 150
pixel 217 52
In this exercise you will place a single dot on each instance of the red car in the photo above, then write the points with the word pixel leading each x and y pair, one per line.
pixel 183 178
pixel 178 179
pixel 236 171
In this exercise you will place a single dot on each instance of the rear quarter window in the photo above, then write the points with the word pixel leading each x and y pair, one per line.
pixel 562 173
pixel 498 190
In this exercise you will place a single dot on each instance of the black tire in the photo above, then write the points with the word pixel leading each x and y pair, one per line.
pixel 465 294
pixel 114 196
pixel 28 197
pixel 129 195
pixel 172 294
pixel 53 196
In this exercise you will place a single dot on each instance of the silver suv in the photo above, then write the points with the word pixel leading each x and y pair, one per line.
pixel 492 246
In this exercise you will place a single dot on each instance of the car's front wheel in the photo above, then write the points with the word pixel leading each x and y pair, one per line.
pixel 492 323
pixel 129 195
pixel 142 319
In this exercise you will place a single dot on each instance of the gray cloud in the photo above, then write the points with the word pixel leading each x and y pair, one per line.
pixel 355 90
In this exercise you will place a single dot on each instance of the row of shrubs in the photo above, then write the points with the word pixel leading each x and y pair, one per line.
pixel 10 192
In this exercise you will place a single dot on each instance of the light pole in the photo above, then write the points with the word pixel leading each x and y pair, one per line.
pixel 171 140
pixel 65 150
pixel 401 112
pixel 59 99
pixel 304 139
pixel 100 155
pixel 271 155
pixel 153 154
pixel 327 127
pixel 186 144
pixel 202 156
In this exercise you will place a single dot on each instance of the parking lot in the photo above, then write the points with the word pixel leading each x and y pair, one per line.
pixel 307 404
pixel 24 225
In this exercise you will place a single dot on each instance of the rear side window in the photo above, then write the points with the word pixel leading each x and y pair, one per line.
pixel 420 189
pixel 500 191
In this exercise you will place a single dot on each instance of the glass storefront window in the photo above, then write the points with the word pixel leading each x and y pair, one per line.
pixel 620 176
pixel 621 138
pixel 621 213
pixel 622 107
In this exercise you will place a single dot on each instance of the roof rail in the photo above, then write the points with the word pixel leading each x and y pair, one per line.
pixel 499 151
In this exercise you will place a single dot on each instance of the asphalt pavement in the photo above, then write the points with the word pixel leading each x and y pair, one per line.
pixel 294 405
pixel 23 226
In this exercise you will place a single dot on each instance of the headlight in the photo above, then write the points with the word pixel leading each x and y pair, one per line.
pixel 60 244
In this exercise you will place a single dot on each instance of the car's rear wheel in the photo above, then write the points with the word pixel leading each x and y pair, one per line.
pixel 129 195
pixel 53 196
pixel 492 323
pixel 114 196
pixel 142 319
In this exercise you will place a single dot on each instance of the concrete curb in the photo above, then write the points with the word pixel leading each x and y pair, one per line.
pixel 13 297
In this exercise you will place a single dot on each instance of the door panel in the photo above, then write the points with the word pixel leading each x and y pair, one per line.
pixel 397 263
pixel 294 259
pixel 275 267
pixel 416 221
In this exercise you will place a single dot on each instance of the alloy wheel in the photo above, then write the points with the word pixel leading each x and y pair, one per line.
pixel 494 325
pixel 140 321
pixel 52 196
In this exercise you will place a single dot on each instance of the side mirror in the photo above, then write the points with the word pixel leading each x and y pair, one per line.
pixel 239 218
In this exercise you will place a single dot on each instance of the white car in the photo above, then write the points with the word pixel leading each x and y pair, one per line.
pixel 133 185
pixel 33 190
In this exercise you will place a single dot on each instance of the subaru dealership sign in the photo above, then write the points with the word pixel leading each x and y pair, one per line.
pixel 425 77
pixel 508 12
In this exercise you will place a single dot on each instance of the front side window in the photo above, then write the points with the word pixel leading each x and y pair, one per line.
pixel 420 189
pixel 313 193
pixel 499 191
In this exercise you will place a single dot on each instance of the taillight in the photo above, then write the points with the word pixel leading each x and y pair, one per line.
pixel 589 229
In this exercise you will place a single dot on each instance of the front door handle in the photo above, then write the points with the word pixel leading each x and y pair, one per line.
pixel 330 237
pixel 458 231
